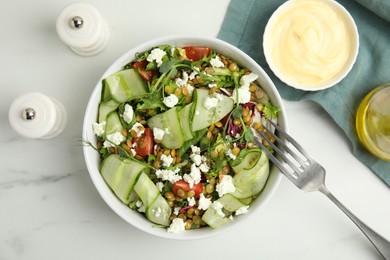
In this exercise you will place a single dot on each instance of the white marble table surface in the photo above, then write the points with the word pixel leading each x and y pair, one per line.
pixel 49 208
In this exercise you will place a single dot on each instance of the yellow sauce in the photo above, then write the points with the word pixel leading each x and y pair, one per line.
pixel 310 42
pixel 373 122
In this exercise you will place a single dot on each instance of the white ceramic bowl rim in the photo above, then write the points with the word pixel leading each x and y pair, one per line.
pixel 92 157
pixel 330 83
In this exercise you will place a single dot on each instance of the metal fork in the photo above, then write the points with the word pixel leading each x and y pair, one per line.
pixel 308 175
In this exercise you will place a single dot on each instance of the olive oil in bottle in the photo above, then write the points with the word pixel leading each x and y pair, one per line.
pixel 373 122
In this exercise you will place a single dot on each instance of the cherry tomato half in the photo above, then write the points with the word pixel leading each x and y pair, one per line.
pixel 183 185
pixel 144 143
pixel 140 66
pixel 196 53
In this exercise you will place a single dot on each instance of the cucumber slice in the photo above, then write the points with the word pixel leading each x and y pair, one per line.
pixel 185 121
pixel 204 117
pixel 146 190
pixel 247 159
pixel 159 212
pixel 106 94
pixel 169 122
pixel 250 181
pixel 133 198
pixel 125 179
pixel 121 175
pixel 109 167
pixel 113 123
pixel 231 203
pixel 106 108
pixel 123 85
pixel 213 219
pixel 247 201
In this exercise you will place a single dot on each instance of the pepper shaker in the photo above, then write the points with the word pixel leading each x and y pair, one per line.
pixel 81 27
pixel 35 115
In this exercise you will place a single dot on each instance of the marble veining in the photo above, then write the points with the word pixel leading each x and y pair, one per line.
pixel 39 180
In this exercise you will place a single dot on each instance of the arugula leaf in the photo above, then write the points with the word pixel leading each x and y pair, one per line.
pixel 222 72
pixel 151 102
pixel 122 153
pixel 151 65
pixel 151 157
pixel 104 152
pixel 217 165
pixel 248 135
pixel 172 72
pixel 271 111
pixel 237 112
pixel 167 66
pixel 239 158
pixel 187 144
pixel 167 187
pixel 142 55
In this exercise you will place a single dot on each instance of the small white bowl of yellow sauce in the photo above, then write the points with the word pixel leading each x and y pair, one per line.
pixel 311 44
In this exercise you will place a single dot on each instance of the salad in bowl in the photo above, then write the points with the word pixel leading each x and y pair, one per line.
pixel 172 135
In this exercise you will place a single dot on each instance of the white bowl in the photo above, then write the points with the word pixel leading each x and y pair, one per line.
pixel 304 32
pixel 92 157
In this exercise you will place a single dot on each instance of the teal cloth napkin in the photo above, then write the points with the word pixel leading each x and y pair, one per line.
pixel 244 25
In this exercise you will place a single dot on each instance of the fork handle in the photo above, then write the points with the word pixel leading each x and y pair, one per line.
pixel 380 243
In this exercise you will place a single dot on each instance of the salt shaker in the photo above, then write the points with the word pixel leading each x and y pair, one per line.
pixel 35 115
pixel 81 27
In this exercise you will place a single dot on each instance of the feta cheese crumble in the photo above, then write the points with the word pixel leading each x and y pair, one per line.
pixel 195 149
pixel 203 202
pixel 176 210
pixel 193 177
pixel 176 226
pixel 114 139
pixel 190 89
pixel 191 201
pixel 213 85
pixel 166 160
pixel 196 158
pixel 182 82
pixel 242 210
pixel 138 128
pixel 195 155
pixel 242 95
pixel 216 62
pixel 168 175
pixel 210 102
pixel 204 168
pixel 98 128
pixel 225 186
pixel 192 75
pixel 156 55
pixel 246 80
pixel 230 154
pixel 140 206
pixel 158 133
pixel 171 100
pixel 217 206
pixel 128 114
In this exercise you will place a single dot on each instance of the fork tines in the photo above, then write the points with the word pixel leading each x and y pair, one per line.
pixel 289 166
